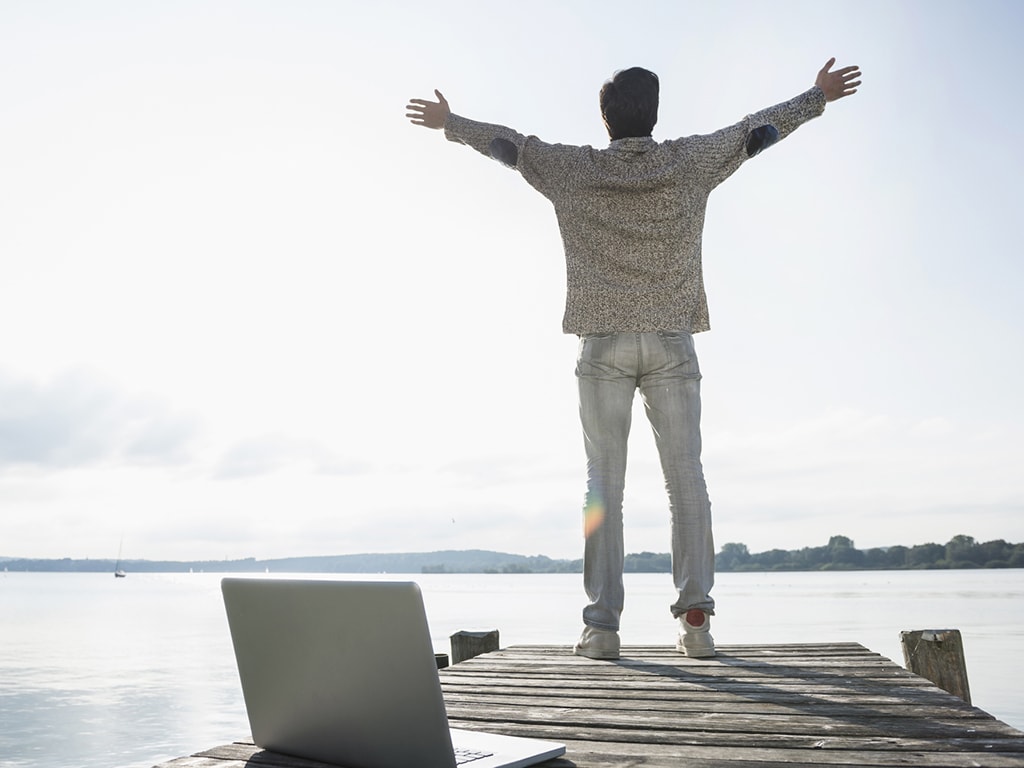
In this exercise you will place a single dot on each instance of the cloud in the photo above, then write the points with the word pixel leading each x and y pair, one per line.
pixel 79 419
pixel 267 454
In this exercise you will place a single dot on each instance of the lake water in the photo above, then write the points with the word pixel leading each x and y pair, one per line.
pixel 98 672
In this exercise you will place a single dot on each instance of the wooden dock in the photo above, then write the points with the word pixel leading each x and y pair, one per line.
pixel 753 705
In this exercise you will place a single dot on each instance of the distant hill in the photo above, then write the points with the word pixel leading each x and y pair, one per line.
pixel 448 561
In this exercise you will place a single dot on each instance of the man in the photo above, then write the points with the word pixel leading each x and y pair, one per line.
pixel 631 218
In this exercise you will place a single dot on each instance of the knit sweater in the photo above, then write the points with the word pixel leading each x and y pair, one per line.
pixel 631 216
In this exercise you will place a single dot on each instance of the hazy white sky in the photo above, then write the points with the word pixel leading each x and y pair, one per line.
pixel 246 309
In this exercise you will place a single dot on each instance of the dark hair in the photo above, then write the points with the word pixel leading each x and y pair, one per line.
pixel 629 103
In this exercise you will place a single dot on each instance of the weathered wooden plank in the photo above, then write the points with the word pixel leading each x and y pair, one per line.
pixel 678 660
pixel 707 673
pixel 726 724
pixel 654 739
pixel 862 687
pixel 749 730
pixel 765 707
pixel 572 679
pixel 685 682
pixel 566 660
pixel 739 651
pixel 565 656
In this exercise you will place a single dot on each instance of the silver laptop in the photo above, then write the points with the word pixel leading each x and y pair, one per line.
pixel 344 672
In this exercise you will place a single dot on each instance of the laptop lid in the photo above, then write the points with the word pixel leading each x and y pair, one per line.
pixel 344 672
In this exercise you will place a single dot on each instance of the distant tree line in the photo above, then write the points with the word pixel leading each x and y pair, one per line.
pixel 840 554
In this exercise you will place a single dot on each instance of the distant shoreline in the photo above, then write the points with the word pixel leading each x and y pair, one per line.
pixel 960 553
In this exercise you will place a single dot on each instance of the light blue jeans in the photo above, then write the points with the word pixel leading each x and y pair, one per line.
pixel 663 366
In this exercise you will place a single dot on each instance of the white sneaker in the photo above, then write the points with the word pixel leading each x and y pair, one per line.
pixel 597 643
pixel 695 635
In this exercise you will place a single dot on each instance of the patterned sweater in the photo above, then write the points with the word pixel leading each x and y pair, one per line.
pixel 632 215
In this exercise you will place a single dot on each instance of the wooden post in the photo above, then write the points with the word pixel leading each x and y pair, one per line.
pixel 466 645
pixel 938 654
pixel 441 659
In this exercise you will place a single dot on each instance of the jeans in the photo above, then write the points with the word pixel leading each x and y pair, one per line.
pixel 663 365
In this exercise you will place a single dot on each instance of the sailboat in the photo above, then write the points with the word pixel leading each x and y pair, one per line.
pixel 118 570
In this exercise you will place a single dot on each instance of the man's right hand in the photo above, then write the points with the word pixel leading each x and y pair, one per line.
pixel 429 114
pixel 836 85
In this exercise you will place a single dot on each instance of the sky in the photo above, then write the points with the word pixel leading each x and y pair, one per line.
pixel 248 310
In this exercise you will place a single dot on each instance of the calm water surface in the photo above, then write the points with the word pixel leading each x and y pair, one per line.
pixel 98 672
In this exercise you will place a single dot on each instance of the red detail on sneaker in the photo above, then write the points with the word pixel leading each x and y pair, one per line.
pixel 695 617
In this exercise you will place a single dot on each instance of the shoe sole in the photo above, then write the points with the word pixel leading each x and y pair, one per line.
pixel 702 653
pixel 696 653
pixel 595 654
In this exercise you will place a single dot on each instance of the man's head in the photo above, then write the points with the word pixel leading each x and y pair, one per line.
pixel 629 103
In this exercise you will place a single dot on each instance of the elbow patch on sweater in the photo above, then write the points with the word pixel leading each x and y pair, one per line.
pixel 759 138
pixel 505 152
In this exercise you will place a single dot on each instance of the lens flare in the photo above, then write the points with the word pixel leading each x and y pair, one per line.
pixel 593 516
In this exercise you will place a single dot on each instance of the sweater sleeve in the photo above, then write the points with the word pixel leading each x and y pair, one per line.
pixel 544 166
pixel 722 152
pixel 481 136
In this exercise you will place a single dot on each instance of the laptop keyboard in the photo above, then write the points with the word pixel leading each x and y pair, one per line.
pixel 464 755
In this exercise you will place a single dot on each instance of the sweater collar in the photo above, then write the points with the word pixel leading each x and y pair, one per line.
pixel 633 144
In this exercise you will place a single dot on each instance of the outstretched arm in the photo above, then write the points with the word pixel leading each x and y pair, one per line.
pixel 495 141
pixel 836 85
pixel 429 114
